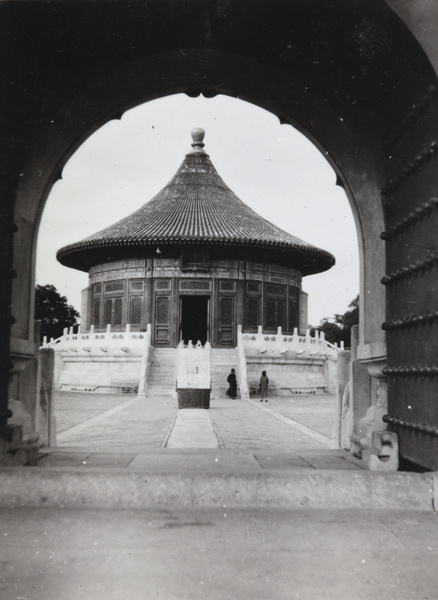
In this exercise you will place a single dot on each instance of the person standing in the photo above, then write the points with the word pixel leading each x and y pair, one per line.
pixel 232 381
pixel 264 385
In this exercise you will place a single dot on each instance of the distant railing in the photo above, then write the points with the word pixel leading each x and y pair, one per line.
pixel 282 343
pixel 98 342
pixel 145 363
pixel 244 391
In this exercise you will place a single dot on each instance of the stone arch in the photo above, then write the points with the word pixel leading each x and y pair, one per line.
pixel 344 76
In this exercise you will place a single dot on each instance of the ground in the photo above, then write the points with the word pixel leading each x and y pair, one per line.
pixel 217 554
pixel 178 551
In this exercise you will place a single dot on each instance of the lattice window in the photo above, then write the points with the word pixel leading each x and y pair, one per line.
pixel 117 311
pixel 112 313
pixel 226 311
pixel 137 285
pixel 275 314
pixel 293 316
pixel 136 305
pixel 194 285
pixel 276 290
pixel 162 316
pixel 97 288
pixel 253 288
pixel 270 314
pixel 96 313
pixel 162 285
pixel 292 293
pixel 114 286
pixel 227 286
pixel 108 307
pixel 280 309
pixel 252 312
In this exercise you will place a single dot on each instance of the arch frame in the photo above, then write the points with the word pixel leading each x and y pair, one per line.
pixel 348 106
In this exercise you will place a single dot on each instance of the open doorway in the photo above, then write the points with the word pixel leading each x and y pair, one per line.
pixel 194 312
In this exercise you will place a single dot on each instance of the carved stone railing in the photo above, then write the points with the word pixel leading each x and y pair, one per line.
pixel 145 363
pixel 244 390
pixel 281 343
pixel 100 342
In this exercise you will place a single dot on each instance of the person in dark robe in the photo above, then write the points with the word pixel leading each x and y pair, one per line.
pixel 232 382
pixel 264 386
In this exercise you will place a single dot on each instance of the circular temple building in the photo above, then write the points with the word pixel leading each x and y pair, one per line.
pixel 195 262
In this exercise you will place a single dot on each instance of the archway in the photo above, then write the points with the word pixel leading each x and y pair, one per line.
pixel 332 74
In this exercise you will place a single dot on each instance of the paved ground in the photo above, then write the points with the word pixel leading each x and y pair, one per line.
pixel 83 418
pixel 129 432
pixel 217 554
pixel 112 448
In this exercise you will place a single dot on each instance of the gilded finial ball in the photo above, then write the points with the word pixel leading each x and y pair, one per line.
pixel 198 135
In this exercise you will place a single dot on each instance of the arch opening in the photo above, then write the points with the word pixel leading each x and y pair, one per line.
pixel 243 141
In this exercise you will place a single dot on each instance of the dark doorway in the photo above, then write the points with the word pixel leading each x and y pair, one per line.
pixel 194 318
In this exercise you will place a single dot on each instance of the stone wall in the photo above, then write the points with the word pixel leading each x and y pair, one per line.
pixel 286 375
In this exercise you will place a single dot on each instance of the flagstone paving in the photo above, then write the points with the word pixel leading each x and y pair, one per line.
pixel 152 434
pixel 125 423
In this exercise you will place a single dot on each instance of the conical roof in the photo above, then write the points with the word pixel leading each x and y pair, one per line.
pixel 195 208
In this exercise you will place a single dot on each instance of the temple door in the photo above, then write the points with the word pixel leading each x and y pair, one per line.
pixel 162 320
pixel 411 206
pixel 226 321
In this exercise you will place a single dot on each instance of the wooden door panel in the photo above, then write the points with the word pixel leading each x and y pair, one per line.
pixel 411 219
pixel 226 320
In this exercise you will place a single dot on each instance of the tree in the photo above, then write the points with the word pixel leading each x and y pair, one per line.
pixel 350 317
pixel 338 329
pixel 53 312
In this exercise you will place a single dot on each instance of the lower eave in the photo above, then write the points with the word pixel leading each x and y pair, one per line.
pixel 84 255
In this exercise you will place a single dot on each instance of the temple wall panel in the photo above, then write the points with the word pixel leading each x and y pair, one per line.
pixel 228 292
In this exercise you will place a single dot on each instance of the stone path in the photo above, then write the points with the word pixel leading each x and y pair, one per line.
pixel 138 424
pixel 123 423
pixel 234 436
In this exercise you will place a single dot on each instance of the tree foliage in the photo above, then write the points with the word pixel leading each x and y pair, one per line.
pixel 53 312
pixel 338 328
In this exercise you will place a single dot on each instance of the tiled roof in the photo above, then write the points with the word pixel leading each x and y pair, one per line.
pixel 196 207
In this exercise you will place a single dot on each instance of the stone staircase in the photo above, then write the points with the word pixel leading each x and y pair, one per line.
pixel 162 374
pixel 222 361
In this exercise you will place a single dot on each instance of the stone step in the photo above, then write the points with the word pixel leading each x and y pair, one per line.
pixel 202 483
pixel 162 373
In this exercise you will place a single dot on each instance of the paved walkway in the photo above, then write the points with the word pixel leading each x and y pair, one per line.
pixel 152 434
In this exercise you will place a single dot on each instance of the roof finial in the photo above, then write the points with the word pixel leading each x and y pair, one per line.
pixel 197 136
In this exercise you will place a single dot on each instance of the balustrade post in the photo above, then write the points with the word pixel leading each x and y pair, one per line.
pixel 260 336
pixel 323 341
pixel 279 339
pixel 295 339
pixel 308 346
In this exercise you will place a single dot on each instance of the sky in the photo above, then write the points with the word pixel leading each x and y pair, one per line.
pixel 273 168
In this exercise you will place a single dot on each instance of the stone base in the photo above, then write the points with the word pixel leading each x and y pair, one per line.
pixel 193 398
pixel 13 450
pixel 378 450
